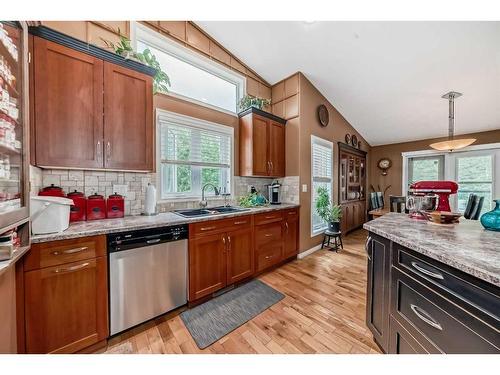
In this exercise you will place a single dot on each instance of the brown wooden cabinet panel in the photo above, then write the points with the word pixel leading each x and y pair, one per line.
pixel 290 234
pixel 240 258
pixel 68 124
pixel 260 142
pixel 66 306
pixel 277 149
pixel 269 255
pixel 207 265
pixel 128 119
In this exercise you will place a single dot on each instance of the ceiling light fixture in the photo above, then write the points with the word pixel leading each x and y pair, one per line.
pixel 452 144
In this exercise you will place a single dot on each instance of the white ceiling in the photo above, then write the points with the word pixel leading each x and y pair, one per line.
pixel 386 78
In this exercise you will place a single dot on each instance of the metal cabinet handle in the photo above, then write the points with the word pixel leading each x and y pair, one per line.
pixel 99 152
pixel 268 257
pixel 272 166
pixel 70 251
pixel 108 150
pixel 70 269
pixel 229 242
pixel 268 235
pixel 367 244
pixel 286 226
pixel 156 240
pixel 270 217
pixel 224 240
pixel 240 222
pixel 419 268
pixel 425 317
pixel 207 228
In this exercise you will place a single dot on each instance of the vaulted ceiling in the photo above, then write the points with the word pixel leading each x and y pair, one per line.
pixel 386 78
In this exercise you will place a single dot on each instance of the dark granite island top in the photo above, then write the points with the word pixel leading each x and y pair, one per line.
pixel 465 246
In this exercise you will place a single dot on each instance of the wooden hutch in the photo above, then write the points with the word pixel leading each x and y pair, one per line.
pixel 352 186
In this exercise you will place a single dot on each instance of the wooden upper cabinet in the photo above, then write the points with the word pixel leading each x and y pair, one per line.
pixel 128 119
pixel 262 144
pixel 68 106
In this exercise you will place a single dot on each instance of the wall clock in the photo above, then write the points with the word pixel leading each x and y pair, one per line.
pixel 354 140
pixel 348 138
pixel 323 115
pixel 384 164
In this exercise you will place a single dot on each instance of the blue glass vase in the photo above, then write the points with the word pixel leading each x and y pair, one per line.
pixel 491 220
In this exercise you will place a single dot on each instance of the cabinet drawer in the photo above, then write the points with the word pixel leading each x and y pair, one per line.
pixel 219 226
pixel 447 326
pixel 48 254
pixel 266 234
pixel 268 256
pixel 402 342
pixel 291 214
pixel 268 217
pixel 477 296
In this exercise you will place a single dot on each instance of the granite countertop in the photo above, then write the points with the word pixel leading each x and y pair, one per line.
pixel 465 246
pixel 96 227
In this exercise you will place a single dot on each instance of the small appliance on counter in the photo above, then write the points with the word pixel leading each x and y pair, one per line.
pixel 274 193
pixel 52 191
pixel 115 206
pixel 96 207
pixel 429 191
pixel 78 210
pixel 49 214
pixel 150 201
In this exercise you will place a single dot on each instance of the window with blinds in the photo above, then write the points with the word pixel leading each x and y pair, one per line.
pixel 321 176
pixel 193 153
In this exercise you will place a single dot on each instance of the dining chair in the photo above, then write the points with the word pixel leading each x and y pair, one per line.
pixel 471 202
pixel 373 201
pixel 474 207
pixel 380 199
pixel 397 203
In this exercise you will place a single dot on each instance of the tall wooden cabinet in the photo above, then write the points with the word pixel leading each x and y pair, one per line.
pixel 262 144
pixel 88 110
pixel 352 187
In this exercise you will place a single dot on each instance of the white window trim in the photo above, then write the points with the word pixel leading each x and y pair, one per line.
pixel 449 165
pixel 194 122
pixel 173 48
pixel 325 143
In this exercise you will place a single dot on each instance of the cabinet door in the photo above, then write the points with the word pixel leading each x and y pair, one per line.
pixel 128 119
pixel 240 257
pixel 290 237
pixel 207 265
pixel 277 149
pixel 260 156
pixel 66 306
pixel 68 120
pixel 377 304
pixel 345 218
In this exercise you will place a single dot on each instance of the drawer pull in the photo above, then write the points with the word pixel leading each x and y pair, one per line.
pixel 424 316
pixel 70 269
pixel 71 251
pixel 268 257
pixel 240 222
pixel 419 268
pixel 286 226
pixel 270 217
pixel 367 244
pixel 207 228
pixel 268 235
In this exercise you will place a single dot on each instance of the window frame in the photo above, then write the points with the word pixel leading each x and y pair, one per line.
pixel 441 171
pixel 196 123
pixel 176 50
pixel 325 143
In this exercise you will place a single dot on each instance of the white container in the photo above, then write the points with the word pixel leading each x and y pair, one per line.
pixel 150 201
pixel 49 214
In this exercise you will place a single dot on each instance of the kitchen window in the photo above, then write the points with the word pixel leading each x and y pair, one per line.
pixel 322 176
pixel 193 152
pixel 193 77
pixel 429 168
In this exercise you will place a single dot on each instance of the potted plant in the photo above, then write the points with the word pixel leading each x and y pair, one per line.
pixel 329 212
pixel 250 101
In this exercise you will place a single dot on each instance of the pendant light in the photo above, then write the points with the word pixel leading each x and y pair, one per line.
pixel 452 143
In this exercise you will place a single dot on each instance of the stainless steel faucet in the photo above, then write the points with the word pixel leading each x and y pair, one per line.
pixel 203 202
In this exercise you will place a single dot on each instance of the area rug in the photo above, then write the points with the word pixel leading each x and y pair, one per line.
pixel 214 319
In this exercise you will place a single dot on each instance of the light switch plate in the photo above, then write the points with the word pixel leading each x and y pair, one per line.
pixel 120 189
pixel 304 188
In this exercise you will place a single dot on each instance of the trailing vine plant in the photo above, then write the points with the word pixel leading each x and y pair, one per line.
pixel 250 101
pixel 161 81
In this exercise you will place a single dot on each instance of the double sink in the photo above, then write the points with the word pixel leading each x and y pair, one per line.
pixel 200 212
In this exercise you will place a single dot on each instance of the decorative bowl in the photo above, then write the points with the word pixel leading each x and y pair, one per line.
pixel 441 217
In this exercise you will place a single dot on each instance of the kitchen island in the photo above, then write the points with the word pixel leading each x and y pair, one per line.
pixel 433 288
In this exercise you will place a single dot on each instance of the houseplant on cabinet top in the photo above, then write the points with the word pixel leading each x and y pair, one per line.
pixel 249 101
pixel 328 212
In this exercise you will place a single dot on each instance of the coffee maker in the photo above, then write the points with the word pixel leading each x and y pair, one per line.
pixel 430 196
pixel 274 192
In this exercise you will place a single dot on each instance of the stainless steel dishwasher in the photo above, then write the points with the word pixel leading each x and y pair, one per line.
pixel 147 274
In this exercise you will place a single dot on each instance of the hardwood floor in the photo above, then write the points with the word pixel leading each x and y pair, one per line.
pixel 323 312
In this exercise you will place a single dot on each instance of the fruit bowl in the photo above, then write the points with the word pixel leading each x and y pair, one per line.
pixel 442 217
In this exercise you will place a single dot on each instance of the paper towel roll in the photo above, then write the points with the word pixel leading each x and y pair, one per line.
pixel 150 201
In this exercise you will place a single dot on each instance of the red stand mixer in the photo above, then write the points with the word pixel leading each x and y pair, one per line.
pixel 430 196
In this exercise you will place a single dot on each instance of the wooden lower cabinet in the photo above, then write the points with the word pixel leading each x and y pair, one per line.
pixel 66 302
pixel 291 233
pixel 207 265
pixel 240 256
pixel 353 215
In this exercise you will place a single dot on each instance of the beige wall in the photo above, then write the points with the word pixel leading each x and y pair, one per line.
pixel 393 152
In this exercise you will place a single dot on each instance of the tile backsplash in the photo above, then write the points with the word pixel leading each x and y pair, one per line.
pixel 104 182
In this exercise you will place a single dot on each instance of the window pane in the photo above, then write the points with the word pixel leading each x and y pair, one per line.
pixel 193 82
pixel 176 178
pixel 211 175
pixel 480 189
pixel 475 168
pixel 319 224
pixel 425 169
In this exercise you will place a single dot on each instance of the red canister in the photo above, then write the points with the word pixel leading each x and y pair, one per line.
pixel 96 207
pixel 115 206
pixel 78 211
pixel 52 191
